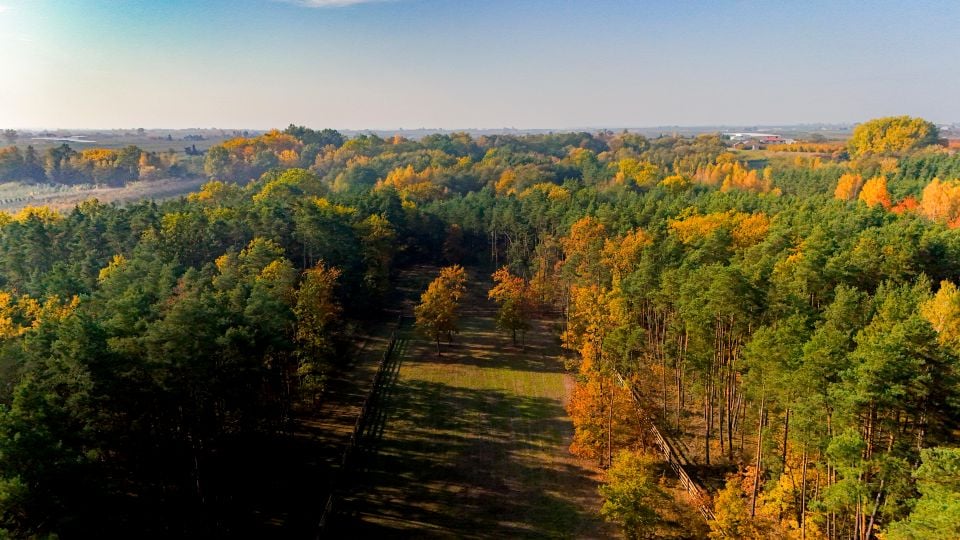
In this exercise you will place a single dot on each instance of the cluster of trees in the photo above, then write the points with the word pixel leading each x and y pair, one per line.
pixel 154 357
pixel 754 320
pixel 64 165
pixel 802 348
pixel 727 173
pixel 800 343
pixel 938 201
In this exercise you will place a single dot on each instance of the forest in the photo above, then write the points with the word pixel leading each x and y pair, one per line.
pixel 792 322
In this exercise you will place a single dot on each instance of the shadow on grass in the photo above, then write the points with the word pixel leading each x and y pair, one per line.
pixel 480 345
pixel 471 464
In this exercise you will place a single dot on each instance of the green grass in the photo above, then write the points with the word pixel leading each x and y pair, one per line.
pixel 474 443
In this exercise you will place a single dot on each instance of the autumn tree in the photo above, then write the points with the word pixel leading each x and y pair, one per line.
pixel 875 192
pixel 731 507
pixel 631 495
pixel 636 173
pixel 317 312
pixel 942 311
pixel 891 135
pixel 512 294
pixel 848 187
pixel 941 201
pixel 583 248
pixel 438 311
pixel 732 175
pixel 377 236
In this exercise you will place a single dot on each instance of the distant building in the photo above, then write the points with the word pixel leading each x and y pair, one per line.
pixel 755 141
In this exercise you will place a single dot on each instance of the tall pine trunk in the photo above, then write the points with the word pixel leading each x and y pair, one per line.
pixel 756 471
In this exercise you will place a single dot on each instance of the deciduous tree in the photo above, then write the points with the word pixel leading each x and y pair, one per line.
pixel 438 311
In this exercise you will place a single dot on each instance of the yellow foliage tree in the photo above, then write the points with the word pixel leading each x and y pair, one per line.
pixel 215 192
pixel 745 229
pixel 675 182
pixel 39 213
pixel 553 192
pixel 942 311
pixel 118 261
pixel 631 494
pixel 891 135
pixel 620 255
pixel 848 187
pixel 437 313
pixel 583 248
pixel 941 201
pixel 875 192
pixel 736 517
pixel 637 173
pixel 511 293
pixel 412 185
pixel 507 183
pixel 600 408
pixel 749 229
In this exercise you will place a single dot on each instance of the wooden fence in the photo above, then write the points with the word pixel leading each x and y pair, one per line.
pixel 675 459
pixel 367 411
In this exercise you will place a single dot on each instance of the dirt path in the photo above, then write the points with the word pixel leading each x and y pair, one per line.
pixel 475 443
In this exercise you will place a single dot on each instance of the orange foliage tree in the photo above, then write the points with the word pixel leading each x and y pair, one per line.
pixel 732 175
pixel 848 187
pixel 437 313
pixel 512 294
pixel 875 192
pixel 941 201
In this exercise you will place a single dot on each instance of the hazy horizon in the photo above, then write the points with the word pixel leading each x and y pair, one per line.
pixel 430 64
pixel 452 129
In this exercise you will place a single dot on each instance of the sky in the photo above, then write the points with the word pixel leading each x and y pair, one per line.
pixel 458 64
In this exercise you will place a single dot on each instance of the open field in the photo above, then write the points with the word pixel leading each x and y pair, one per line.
pixel 14 196
pixel 474 443
pixel 152 140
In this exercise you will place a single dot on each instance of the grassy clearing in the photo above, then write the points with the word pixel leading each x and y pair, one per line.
pixel 474 443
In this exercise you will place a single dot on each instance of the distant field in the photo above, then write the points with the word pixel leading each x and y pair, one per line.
pixel 14 196
pixel 153 141
pixel 475 443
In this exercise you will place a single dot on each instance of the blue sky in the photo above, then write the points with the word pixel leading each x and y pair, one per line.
pixel 473 63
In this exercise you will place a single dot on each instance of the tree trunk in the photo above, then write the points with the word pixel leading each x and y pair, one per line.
pixel 786 433
pixel 706 428
pixel 663 383
pixel 610 429
pixel 756 471
pixel 803 496
pixel 876 505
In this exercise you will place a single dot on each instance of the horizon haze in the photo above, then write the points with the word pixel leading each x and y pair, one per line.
pixel 370 65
